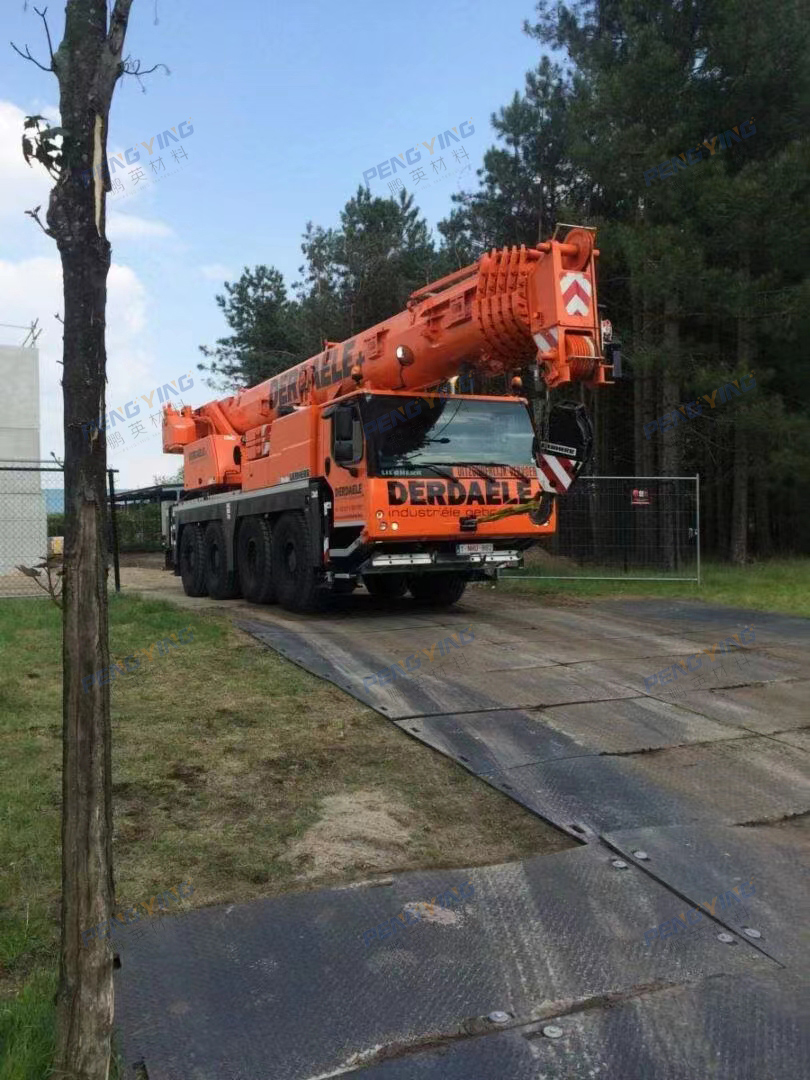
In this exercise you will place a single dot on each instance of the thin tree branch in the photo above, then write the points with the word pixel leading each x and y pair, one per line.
pixel 27 56
pixel 35 215
pixel 136 70
pixel 42 15
pixel 118 27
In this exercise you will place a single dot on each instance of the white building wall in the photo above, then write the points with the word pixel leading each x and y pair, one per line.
pixel 23 525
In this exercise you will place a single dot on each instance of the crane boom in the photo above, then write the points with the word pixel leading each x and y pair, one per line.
pixel 493 316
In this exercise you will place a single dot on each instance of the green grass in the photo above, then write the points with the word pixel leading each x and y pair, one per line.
pixel 27 1032
pixel 227 761
pixel 778 585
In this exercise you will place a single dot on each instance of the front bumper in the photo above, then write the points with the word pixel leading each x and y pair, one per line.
pixel 426 561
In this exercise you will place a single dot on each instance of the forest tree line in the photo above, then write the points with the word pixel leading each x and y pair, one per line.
pixel 704 266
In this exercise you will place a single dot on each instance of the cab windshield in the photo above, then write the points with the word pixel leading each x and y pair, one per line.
pixel 415 435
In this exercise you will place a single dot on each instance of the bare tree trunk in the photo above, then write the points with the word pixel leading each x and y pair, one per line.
pixel 739 511
pixel 87 65
pixel 722 504
pixel 671 438
pixel 764 545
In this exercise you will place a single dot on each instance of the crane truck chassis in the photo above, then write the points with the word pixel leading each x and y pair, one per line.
pixel 365 463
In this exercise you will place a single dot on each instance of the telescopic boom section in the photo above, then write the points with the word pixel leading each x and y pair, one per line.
pixel 511 308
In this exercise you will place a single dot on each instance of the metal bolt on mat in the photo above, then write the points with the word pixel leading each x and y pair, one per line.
pixel 727 939
pixel 641 855
pixel 498 1017
pixel 552 1032
pixel 619 864
pixel 751 932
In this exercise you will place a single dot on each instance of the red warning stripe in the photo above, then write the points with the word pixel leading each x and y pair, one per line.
pixel 554 481
pixel 560 472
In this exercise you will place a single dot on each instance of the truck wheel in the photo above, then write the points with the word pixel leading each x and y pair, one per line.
pixel 192 561
pixel 254 558
pixel 437 590
pixel 386 586
pixel 221 584
pixel 295 576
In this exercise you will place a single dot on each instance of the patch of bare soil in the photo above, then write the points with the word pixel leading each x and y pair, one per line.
pixel 539 558
pixel 358 829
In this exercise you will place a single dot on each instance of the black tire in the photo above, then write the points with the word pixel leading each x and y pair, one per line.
pixel 221 584
pixel 386 586
pixel 437 590
pixel 295 576
pixel 254 560
pixel 192 561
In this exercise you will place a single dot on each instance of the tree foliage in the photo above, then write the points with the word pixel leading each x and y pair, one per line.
pixel 353 276
pixel 704 273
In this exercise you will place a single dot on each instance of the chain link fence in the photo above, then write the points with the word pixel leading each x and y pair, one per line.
pixel 138 516
pixel 622 527
pixel 32 523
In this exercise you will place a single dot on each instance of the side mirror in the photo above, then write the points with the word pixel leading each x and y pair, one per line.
pixel 347 436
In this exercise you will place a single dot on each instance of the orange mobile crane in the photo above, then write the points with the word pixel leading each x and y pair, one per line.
pixel 366 463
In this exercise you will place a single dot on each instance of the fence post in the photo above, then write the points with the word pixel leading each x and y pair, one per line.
pixel 697 523
pixel 114 524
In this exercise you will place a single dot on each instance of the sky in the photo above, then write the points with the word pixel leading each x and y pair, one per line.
pixel 284 107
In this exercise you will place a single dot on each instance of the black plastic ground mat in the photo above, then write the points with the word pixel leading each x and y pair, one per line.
pixel 305 652
pixel 301 985
pixel 751 879
pixel 509 1054
pixel 564 783
pixel 741 1027
pixel 676 616
pixel 544 769
pixel 595 751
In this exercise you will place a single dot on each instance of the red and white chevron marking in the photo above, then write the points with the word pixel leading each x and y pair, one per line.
pixel 576 292
pixel 556 474
pixel 546 340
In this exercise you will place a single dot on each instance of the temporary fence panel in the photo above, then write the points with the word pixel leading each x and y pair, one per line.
pixel 625 528
pixel 138 515
pixel 32 516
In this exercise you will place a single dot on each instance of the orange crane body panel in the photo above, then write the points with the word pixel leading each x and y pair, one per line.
pixel 493 317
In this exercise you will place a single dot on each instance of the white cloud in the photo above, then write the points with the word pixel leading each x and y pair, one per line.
pixel 216 272
pixel 129 227
pixel 31 289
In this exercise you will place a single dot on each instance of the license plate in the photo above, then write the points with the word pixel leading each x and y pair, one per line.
pixel 474 549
